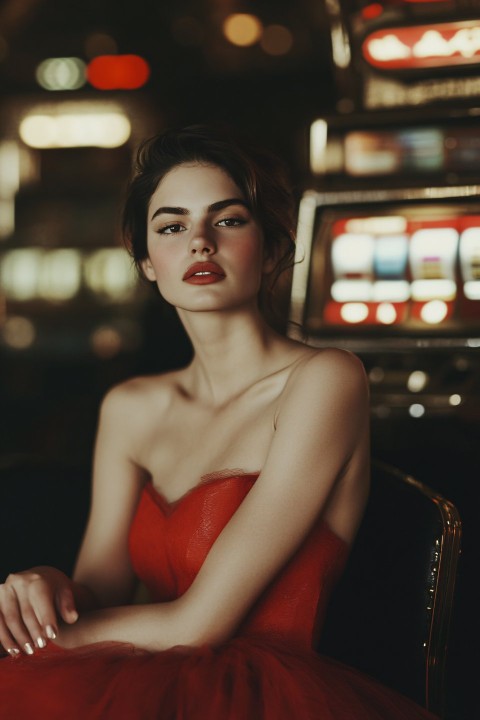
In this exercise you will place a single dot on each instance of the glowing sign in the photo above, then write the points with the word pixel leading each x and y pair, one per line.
pixel 118 72
pixel 424 46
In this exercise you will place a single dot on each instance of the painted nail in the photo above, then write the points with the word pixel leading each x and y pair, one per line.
pixel 50 632
pixel 41 642
pixel 28 649
pixel 13 652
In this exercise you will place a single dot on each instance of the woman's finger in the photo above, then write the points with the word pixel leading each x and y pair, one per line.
pixel 7 641
pixel 42 603
pixel 66 605
pixel 31 623
pixel 14 623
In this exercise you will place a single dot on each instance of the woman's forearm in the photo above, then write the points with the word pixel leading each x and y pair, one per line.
pixel 150 627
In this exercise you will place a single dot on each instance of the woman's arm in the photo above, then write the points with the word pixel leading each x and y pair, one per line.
pixel 103 563
pixel 33 602
pixel 320 451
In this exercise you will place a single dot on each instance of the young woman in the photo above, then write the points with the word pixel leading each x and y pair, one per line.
pixel 232 488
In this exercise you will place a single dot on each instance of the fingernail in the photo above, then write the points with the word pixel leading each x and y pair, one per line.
pixel 50 632
pixel 74 615
pixel 41 643
pixel 28 649
pixel 13 652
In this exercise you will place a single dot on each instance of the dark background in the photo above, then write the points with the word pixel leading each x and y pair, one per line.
pixel 50 392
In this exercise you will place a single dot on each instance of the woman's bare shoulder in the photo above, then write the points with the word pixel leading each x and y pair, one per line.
pixel 142 393
pixel 321 367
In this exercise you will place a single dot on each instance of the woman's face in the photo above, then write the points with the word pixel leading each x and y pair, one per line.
pixel 205 249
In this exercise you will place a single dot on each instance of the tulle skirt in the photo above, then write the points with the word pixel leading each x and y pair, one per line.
pixel 254 678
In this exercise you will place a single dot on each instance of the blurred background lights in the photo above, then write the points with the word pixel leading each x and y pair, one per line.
pixel 416 410
pixel 376 374
pixel 110 338
pixel 99 43
pixel 67 73
pixel 386 313
pixel 118 72
pixel 29 273
pixel 417 381
pixel 19 273
pixel 106 341
pixel 60 275
pixel 242 29
pixel 354 312
pixel 19 332
pixel 455 400
pixel 109 272
pixel 276 40
pixel 87 129
pixel 434 312
pixel 318 145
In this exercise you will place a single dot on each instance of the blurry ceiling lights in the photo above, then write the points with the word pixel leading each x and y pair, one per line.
pixel 103 72
pixel 85 128
pixel 57 275
pixel 276 40
pixel 242 29
pixel 30 273
pixel 109 272
pixel 18 332
pixel 63 73
pixel 9 184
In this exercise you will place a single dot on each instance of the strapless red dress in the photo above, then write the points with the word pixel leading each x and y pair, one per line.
pixel 267 671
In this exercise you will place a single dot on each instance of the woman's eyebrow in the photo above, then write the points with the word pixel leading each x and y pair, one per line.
pixel 220 205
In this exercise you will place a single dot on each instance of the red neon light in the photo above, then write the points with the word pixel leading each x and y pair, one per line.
pixel 118 72
pixel 372 11
pixel 424 46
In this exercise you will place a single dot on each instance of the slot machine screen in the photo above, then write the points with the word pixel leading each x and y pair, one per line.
pixel 402 269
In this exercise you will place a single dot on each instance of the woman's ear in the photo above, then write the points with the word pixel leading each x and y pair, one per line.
pixel 148 269
pixel 269 260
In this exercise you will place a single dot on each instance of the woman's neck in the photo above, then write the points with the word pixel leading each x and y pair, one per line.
pixel 232 351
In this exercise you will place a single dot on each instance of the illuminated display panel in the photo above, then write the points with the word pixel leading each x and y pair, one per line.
pixel 411 150
pixel 408 269
pixel 413 47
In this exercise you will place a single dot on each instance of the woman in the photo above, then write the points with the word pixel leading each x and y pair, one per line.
pixel 232 487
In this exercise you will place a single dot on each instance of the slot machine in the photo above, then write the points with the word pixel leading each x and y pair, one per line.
pixel 388 266
pixel 388 258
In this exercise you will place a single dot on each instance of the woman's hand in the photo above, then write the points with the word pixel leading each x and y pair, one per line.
pixel 32 603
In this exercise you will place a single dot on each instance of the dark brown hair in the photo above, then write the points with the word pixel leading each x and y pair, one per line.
pixel 258 174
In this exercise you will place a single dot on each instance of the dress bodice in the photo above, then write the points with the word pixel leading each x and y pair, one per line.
pixel 170 541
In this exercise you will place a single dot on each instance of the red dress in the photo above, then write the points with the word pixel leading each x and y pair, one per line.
pixel 267 671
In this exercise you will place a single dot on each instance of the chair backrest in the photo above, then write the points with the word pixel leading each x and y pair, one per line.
pixel 390 613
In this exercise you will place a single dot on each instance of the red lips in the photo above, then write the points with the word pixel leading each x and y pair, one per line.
pixel 203 273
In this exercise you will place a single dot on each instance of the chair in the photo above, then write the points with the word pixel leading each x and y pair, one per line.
pixel 390 613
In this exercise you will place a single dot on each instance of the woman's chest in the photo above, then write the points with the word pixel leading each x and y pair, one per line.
pixel 193 441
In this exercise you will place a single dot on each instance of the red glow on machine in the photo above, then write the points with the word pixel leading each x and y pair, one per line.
pixel 118 72
pixel 424 46
pixel 372 11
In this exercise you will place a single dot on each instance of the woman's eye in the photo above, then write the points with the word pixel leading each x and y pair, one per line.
pixel 232 222
pixel 171 229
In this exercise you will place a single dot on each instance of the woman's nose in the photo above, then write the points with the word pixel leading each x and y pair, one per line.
pixel 202 244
